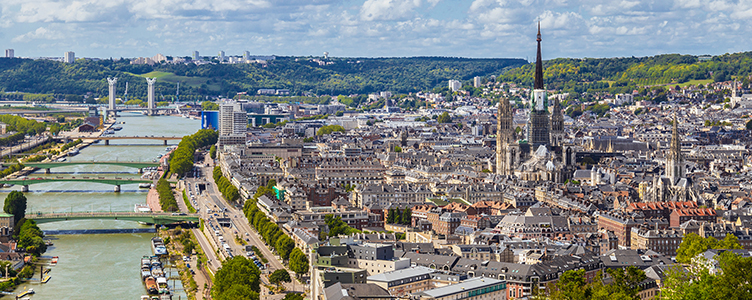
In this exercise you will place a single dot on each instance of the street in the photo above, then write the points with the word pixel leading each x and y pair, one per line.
pixel 211 198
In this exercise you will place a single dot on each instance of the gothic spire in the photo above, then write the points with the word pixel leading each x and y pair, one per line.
pixel 675 143
pixel 539 64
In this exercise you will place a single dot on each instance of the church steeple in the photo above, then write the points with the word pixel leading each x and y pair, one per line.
pixel 538 64
pixel 674 161
pixel 539 123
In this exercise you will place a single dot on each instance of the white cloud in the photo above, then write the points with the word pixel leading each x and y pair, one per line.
pixel 388 9
pixel 488 28
pixel 40 33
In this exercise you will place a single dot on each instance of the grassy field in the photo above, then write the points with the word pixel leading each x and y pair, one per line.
pixel 696 82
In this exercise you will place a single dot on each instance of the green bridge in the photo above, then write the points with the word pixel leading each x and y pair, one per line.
pixel 117 182
pixel 54 164
pixel 151 218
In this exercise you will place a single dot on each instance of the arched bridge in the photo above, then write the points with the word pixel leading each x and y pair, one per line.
pixel 55 164
pixel 152 218
pixel 117 182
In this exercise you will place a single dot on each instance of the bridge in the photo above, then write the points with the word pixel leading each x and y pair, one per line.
pixel 107 139
pixel 151 218
pixel 54 164
pixel 117 182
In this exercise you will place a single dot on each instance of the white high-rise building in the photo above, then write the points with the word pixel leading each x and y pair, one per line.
pixel 455 85
pixel 9 53
pixel 246 55
pixel 195 55
pixel 233 122
pixel 70 57
pixel 221 56
pixel 476 81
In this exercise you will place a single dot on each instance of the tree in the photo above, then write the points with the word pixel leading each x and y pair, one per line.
pixel 571 286
pixel 328 129
pixel 237 292
pixel 213 151
pixel 293 296
pixel 279 276
pixel 30 238
pixel 693 244
pixel 397 149
pixel 237 271
pixel 732 281
pixel 284 246
pixel 444 118
pixel 337 226
pixel 407 216
pixel 15 204
pixel 208 105
pixel 390 216
pixel 298 262
pixel 749 125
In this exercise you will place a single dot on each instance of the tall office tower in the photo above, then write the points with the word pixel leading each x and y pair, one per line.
pixel 113 86
pixel 227 118
pixel 476 81
pixel 221 56
pixel 232 124
pixel 195 55
pixel 70 57
pixel 246 55
pixel 539 122
pixel 9 53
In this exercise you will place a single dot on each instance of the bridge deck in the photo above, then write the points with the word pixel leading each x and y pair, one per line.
pixel 154 218
pixel 55 164
pixel 136 137
pixel 112 181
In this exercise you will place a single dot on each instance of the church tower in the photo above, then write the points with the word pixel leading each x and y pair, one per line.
pixel 674 160
pixel 507 149
pixel 557 125
pixel 539 122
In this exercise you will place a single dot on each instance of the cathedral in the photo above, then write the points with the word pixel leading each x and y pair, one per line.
pixel 542 155
pixel 674 186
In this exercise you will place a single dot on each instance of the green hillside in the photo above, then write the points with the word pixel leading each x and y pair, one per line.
pixel 620 75
pixel 300 75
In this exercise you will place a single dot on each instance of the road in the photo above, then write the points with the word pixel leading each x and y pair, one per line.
pixel 243 229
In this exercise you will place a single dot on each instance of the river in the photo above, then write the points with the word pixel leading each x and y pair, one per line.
pixel 102 266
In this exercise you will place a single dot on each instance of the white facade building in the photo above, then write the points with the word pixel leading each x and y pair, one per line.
pixel 9 53
pixel 69 57
pixel 455 85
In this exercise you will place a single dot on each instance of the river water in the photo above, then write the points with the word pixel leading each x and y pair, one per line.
pixel 102 266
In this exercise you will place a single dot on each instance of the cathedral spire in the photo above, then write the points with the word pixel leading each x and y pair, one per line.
pixel 674 161
pixel 675 143
pixel 539 64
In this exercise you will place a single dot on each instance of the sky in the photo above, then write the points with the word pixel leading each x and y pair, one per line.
pixel 375 28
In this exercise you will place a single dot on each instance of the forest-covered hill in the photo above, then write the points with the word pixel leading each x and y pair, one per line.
pixel 620 75
pixel 299 75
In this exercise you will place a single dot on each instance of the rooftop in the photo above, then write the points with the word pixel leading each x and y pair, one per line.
pixel 401 274
pixel 467 285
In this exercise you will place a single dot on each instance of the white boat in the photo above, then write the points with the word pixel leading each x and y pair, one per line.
pixel 141 208
pixel 144 185
pixel 73 152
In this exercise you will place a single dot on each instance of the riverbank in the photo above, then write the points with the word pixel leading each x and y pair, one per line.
pixel 101 266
